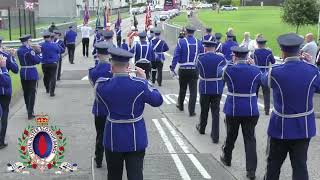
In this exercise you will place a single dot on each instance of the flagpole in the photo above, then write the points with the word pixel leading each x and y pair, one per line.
pixel 318 28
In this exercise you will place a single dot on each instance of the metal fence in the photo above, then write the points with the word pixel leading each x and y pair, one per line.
pixel 171 32
pixel 19 21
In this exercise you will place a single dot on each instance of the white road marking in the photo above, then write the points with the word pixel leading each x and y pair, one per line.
pixel 182 170
pixel 171 99
pixel 186 150
pixel 86 78
pixel 165 99
pixel 167 54
pixel 92 169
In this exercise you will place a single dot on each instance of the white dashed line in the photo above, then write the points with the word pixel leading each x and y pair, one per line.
pixel 182 170
pixel 186 150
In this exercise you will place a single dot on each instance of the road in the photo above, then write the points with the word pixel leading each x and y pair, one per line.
pixel 176 151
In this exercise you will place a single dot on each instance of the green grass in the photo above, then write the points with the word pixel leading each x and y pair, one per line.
pixel 180 20
pixel 265 20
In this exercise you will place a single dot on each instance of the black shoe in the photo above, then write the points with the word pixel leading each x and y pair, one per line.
pixel 58 79
pixel 179 107
pixel 47 91
pixel 72 62
pixel 192 114
pixel 98 164
pixel 31 117
pixel 199 129
pixel 251 175
pixel 224 161
pixel 52 94
pixel 4 145
pixel 159 85
pixel 267 113
pixel 215 141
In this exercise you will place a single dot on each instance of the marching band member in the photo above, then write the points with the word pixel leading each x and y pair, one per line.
pixel 263 58
pixel 226 47
pixel 292 122
pixel 6 91
pixel 208 36
pixel 241 108
pixel 143 54
pixel 125 134
pixel 50 58
pixel 159 46
pixel 62 47
pixel 29 57
pixel 186 53
pixel 211 85
pixel 102 69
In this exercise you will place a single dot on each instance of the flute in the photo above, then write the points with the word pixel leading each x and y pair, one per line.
pixel 11 51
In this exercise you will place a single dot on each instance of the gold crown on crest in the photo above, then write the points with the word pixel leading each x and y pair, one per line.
pixel 42 120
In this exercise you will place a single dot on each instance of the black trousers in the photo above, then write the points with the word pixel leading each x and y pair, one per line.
pixel 133 161
pixel 210 102
pixel 71 48
pixel 266 97
pixel 248 125
pixel 5 102
pixel 119 41
pixel 85 46
pixel 99 122
pixel 146 67
pixel 277 153
pixel 188 77
pixel 59 69
pixel 29 88
pixel 157 67
pixel 49 77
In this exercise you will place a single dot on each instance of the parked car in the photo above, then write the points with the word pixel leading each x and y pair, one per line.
pixel 142 10
pixel 164 15
pixel 134 11
pixel 159 8
pixel 228 8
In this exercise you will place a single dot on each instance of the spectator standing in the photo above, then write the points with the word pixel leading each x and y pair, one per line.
pixel 310 47
pixel 85 32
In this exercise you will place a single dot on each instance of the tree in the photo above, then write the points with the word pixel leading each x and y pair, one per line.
pixel 213 1
pixel 300 12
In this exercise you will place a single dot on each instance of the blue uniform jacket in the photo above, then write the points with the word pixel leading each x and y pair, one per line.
pixel 50 52
pixel 143 52
pixel 70 37
pixel 294 84
pixel 5 81
pixel 118 32
pixel 125 46
pixel 207 37
pixel 61 45
pixel 159 47
pixel 242 81
pixel 102 69
pixel 219 48
pixel 262 58
pixel 186 52
pixel 97 38
pixel 125 98
pixel 28 60
pixel 210 66
pixel 11 66
pixel 226 49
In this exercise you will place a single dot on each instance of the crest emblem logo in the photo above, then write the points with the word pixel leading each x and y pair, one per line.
pixel 42 147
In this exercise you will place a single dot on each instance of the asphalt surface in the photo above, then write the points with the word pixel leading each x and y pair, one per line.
pixel 176 151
